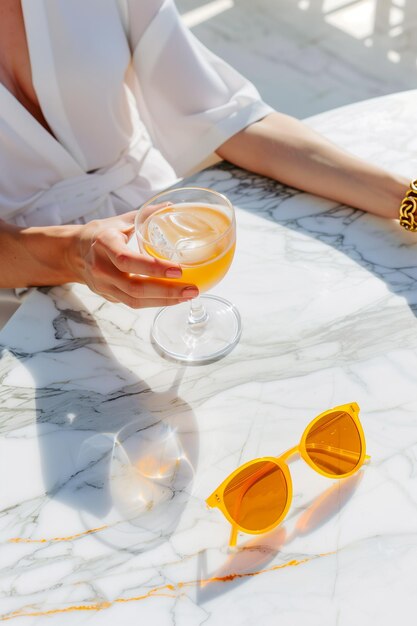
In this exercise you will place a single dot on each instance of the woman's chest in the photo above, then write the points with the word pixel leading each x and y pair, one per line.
pixel 67 67
pixel 15 66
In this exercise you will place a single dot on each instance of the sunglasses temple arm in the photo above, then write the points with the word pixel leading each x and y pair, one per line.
pixel 233 537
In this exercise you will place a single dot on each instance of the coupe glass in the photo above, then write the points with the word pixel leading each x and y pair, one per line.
pixel 196 228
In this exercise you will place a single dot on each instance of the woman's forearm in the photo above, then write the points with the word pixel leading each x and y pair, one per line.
pixel 96 254
pixel 287 150
pixel 36 256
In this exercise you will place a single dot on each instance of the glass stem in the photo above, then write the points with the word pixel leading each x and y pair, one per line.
pixel 198 314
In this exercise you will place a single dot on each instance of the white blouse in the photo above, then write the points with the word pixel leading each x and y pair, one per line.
pixel 134 102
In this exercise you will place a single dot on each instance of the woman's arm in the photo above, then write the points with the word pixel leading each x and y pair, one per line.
pixel 35 256
pixel 95 254
pixel 283 148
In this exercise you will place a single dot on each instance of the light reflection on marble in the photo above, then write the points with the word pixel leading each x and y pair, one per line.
pixel 108 451
pixel 308 56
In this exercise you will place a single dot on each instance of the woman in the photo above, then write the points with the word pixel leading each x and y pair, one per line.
pixel 105 102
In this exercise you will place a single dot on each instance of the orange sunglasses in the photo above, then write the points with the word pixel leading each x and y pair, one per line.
pixel 256 497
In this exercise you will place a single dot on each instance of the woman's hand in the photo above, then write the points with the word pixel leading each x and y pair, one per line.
pixel 95 254
pixel 105 263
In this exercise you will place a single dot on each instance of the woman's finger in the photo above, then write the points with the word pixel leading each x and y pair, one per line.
pixel 131 262
pixel 138 303
pixel 129 217
pixel 109 298
pixel 145 288
pixel 147 211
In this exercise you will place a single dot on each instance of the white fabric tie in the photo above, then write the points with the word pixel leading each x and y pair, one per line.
pixel 79 197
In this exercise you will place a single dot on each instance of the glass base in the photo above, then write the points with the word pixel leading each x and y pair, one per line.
pixel 208 341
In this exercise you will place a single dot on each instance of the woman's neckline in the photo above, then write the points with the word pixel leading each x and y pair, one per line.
pixel 13 86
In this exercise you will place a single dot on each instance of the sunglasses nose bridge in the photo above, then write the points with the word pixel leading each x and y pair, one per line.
pixel 289 453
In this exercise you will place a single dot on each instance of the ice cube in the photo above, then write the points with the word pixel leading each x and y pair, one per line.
pixel 159 241
pixel 186 235
pixel 194 251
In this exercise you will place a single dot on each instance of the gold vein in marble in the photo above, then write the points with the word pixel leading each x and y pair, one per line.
pixel 165 591
pixel 52 539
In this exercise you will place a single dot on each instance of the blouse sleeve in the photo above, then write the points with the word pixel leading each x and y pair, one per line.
pixel 190 100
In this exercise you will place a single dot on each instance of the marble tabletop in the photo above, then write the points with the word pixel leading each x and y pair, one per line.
pixel 108 451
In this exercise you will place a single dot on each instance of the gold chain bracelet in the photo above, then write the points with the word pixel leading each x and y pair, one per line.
pixel 408 208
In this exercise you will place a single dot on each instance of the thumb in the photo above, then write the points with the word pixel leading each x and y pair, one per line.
pixel 129 217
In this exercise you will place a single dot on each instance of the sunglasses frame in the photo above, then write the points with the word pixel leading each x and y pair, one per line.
pixel 216 499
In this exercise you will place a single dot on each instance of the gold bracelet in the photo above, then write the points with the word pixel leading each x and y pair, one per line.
pixel 408 208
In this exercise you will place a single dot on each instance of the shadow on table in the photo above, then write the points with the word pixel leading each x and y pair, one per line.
pixel 252 558
pixel 123 458
pixel 381 246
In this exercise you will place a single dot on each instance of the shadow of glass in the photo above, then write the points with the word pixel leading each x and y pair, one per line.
pixel 251 558
pixel 122 457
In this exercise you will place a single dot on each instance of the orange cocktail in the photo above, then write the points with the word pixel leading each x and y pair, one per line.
pixel 198 237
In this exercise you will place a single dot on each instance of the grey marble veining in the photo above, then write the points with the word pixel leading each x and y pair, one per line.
pixel 108 451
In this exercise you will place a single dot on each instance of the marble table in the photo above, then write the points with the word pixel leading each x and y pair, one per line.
pixel 108 451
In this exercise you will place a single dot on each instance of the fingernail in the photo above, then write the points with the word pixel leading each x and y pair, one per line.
pixel 173 272
pixel 189 292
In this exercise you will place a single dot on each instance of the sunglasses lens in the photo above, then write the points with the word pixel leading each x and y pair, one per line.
pixel 334 444
pixel 256 497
